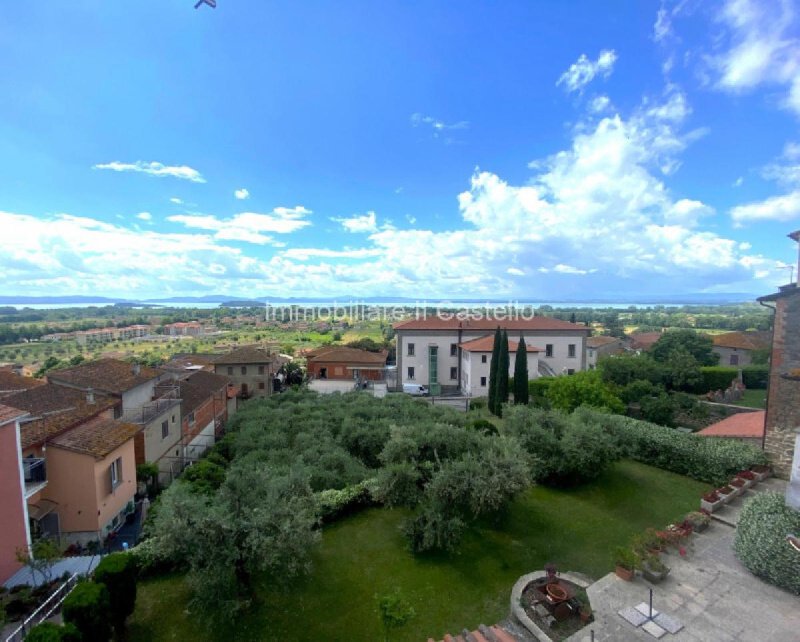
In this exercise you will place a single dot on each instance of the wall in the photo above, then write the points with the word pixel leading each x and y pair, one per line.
pixel 726 353
pixel 251 378
pixel 338 370
pixel 108 503
pixel 473 368
pixel 783 397
pixel 138 396
pixel 71 485
pixel 14 533
pixel 164 451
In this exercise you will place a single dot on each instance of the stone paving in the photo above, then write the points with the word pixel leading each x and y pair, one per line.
pixel 709 592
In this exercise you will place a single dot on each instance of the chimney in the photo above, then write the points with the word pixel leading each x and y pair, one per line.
pixel 90 396
pixel 795 236
pixel 136 369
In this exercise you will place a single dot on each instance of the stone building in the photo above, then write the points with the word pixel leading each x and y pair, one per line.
pixel 782 434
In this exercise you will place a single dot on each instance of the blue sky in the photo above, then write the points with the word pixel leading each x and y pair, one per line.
pixel 422 149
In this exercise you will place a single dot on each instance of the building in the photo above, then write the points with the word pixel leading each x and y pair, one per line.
pixel 429 352
pixel 476 361
pixel 11 383
pixel 104 335
pixel 642 341
pixel 343 363
pixel 782 432
pixel 207 400
pixel 742 426
pixel 250 369
pixel 184 329
pixel 736 348
pixel 602 346
pixel 15 534
pixel 149 399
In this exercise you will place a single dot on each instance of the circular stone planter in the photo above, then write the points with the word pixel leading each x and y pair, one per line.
pixel 516 599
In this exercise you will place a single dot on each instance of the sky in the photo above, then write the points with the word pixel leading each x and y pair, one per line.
pixel 417 149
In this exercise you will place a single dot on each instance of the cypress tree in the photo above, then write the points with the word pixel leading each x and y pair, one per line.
pixel 501 394
pixel 493 372
pixel 521 373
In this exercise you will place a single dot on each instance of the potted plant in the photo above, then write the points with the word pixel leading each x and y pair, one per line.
pixel 698 520
pixel 761 472
pixel 585 613
pixel 653 569
pixel 710 501
pixel 749 477
pixel 726 493
pixel 738 485
pixel 625 560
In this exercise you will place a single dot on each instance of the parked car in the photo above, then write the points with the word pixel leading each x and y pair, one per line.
pixel 415 389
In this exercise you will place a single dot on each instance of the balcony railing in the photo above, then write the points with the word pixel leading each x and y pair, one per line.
pixel 146 413
pixel 35 470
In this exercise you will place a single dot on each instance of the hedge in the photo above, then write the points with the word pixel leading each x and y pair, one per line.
pixel 333 504
pixel 50 632
pixel 706 459
pixel 716 378
pixel 119 572
pixel 761 543
pixel 87 607
pixel 755 376
pixel 537 391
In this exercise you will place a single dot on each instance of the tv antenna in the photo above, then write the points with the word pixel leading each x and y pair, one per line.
pixel 210 3
pixel 789 267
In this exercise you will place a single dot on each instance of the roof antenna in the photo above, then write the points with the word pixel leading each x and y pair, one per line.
pixel 210 3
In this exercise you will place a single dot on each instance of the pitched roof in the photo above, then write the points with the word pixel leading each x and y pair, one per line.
pixel 343 354
pixel 9 414
pixel 110 375
pixel 197 388
pixel 52 398
pixel 98 438
pixel 244 355
pixel 739 340
pixel 534 323
pixel 743 424
pixel 600 340
pixel 11 383
pixel 486 344
pixel 644 339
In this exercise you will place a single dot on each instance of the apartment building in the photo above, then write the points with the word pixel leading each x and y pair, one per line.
pixel 343 363
pixel 207 400
pixel 602 346
pixel 429 349
pixel 250 369
pixel 15 534
pixel 476 362
pixel 184 329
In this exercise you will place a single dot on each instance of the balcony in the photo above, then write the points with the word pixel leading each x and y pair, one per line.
pixel 35 471
pixel 146 413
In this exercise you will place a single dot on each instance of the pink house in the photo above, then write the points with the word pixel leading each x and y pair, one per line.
pixel 14 535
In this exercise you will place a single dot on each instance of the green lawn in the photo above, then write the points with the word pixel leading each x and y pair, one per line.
pixel 366 555
pixel 754 399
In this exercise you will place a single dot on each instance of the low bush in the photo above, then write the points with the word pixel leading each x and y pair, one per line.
pixel 537 391
pixel 119 573
pixel 88 609
pixel 483 425
pixel 716 378
pixel 761 543
pixel 434 529
pixel 755 377
pixel 703 458
pixel 204 476
pixel 333 504
pixel 50 632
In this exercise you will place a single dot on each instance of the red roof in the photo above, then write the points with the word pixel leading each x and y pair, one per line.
pixel 8 414
pixel 535 323
pixel 644 340
pixel 739 340
pixel 486 344
pixel 742 425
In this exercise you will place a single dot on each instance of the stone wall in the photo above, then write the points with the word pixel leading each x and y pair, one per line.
pixel 783 401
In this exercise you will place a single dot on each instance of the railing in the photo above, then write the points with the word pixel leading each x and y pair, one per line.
pixel 48 607
pixel 35 470
pixel 149 411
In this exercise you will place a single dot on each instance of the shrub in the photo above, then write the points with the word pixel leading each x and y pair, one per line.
pixel 477 404
pixel 119 572
pixel 49 632
pixel 582 389
pixel 659 410
pixel 706 459
pixel 637 390
pixel 149 558
pixel 537 390
pixel 761 543
pixel 716 378
pixel 484 426
pixel 204 476
pixel 87 607
pixel 755 376
pixel 332 503
pixel 433 529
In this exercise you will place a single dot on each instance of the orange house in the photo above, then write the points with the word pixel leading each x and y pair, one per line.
pixel 14 534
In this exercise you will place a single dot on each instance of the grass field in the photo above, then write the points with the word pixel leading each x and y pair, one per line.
pixel 754 399
pixel 365 555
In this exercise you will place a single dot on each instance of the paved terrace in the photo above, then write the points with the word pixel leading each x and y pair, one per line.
pixel 709 592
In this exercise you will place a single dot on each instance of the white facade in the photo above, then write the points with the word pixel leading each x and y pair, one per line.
pixel 475 368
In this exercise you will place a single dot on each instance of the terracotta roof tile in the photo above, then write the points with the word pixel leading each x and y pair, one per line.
pixel 535 323
pixel 98 437
pixel 110 375
pixel 11 383
pixel 196 389
pixel 9 414
pixel 743 424
pixel 343 354
pixel 600 340
pixel 644 340
pixel 486 344
pixel 243 356
pixel 738 340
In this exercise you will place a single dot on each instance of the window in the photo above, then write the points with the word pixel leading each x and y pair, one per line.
pixel 548 350
pixel 571 350
pixel 453 349
pixel 570 371
pixel 115 473
pixel 483 381
pixel 734 360
pixel 244 370
pixel 164 429
pixel 411 372
pixel 230 370
pixel 260 369
pixel 483 358
pixel 454 373
pixel 191 419
pixel 433 364
pixel 410 349
pixel 117 412
pixel 261 385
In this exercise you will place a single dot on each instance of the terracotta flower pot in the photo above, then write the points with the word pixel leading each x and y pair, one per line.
pixel 624 573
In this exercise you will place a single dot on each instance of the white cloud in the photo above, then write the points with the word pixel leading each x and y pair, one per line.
pixel 249 227
pixel 145 216
pixel 363 223
pixel 515 271
pixel 761 47
pixel 303 254
pixel 599 104
pixel 663 25
pixel 570 269
pixel 775 208
pixel 175 200
pixel 738 182
pixel 583 71
pixel 241 194
pixel 411 219
pixel 438 127
pixel 154 168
